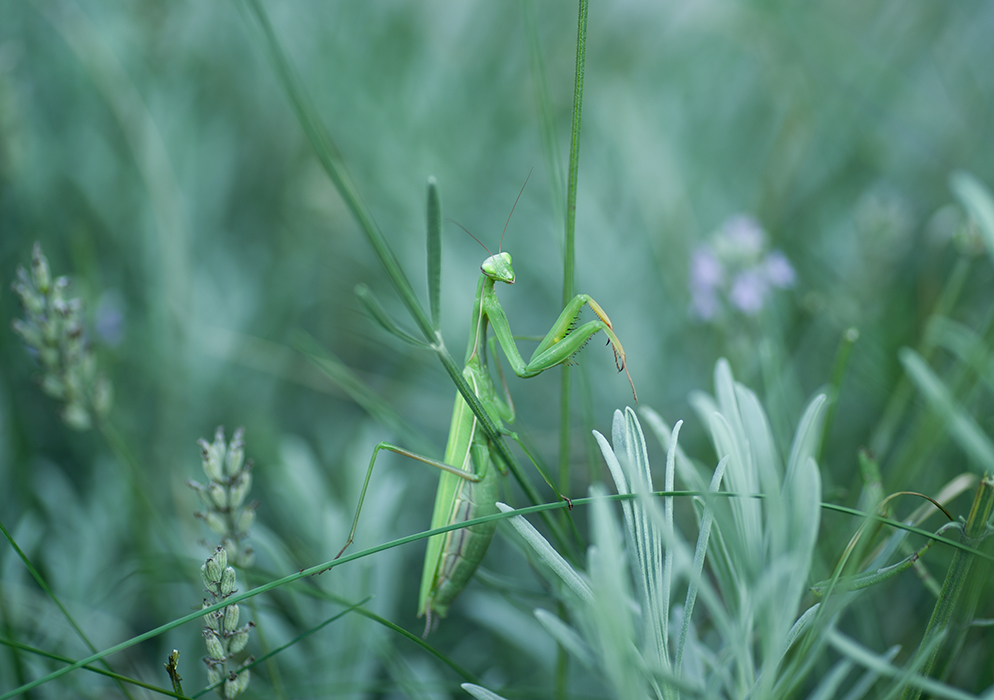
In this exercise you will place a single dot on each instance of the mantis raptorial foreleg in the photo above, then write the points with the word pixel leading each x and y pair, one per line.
pixel 561 342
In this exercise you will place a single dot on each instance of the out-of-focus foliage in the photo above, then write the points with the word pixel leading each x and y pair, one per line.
pixel 150 149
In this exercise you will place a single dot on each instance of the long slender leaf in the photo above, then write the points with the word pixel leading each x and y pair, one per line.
pixel 978 201
pixel 434 227
pixel 569 247
pixel 700 552
pixel 963 428
pixel 551 557
pixel 43 584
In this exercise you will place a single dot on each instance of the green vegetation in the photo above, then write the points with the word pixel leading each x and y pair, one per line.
pixel 216 213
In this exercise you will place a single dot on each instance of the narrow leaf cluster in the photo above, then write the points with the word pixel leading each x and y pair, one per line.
pixel 53 332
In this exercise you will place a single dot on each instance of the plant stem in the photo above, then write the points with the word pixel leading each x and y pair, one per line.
pixel 959 569
pixel 569 250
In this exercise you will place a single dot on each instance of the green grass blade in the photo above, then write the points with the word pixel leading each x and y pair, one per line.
pixel 861 687
pixel 331 160
pixel 651 530
pixel 569 251
pixel 962 426
pixel 380 315
pixel 566 637
pixel 966 344
pixel 881 665
pixel 548 554
pixel 121 679
pixel 684 465
pixel 317 628
pixel 480 693
pixel 546 119
pixel 272 585
pixel 977 200
pixel 700 552
pixel 39 579
pixel 569 247
pixel 870 578
pixel 889 424
pixel 830 683
pixel 434 225
pixel 839 366
pixel 941 622
pixel 357 390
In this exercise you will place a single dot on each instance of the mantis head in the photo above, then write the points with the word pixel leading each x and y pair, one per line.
pixel 498 268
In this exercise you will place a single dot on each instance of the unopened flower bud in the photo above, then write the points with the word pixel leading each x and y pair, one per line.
pixel 76 416
pixel 218 446
pixel 218 495
pixel 221 557
pixel 212 620
pixel 214 521
pixel 39 269
pixel 243 679
pixel 238 641
pixel 60 305
pixel 28 331
pixel 213 674
pixel 214 646
pixel 212 465
pixel 31 301
pixel 236 453
pixel 103 396
pixel 49 356
pixel 240 489
pixel 198 487
pixel 230 618
pixel 245 519
pixel 215 566
pixel 227 582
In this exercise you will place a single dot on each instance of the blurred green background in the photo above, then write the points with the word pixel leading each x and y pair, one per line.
pixel 150 148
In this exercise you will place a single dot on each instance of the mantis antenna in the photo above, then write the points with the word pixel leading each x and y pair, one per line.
pixel 510 214
pixel 512 211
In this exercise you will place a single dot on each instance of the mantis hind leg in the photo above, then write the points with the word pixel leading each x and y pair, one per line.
pixel 369 472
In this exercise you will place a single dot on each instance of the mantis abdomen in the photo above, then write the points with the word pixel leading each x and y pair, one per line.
pixel 463 549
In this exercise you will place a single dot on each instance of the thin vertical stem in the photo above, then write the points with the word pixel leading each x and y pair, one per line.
pixel 842 355
pixel 569 250
pixel 569 264
pixel 941 621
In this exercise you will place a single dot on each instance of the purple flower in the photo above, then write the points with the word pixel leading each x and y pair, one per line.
pixel 748 292
pixel 704 304
pixel 744 235
pixel 110 318
pixel 706 272
pixel 733 270
pixel 779 272
pixel 706 276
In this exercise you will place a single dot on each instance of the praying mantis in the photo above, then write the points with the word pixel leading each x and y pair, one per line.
pixel 468 486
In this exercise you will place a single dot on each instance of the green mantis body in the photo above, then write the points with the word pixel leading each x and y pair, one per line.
pixel 468 485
